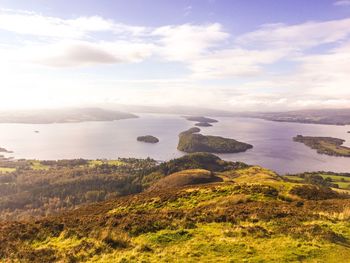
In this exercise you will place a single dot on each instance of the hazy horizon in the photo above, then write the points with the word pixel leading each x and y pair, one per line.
pixel 216 54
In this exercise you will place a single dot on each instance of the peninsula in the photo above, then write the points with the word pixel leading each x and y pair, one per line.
pixel 325 145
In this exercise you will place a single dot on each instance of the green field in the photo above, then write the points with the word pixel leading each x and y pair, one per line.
pixel 37 165
pixel 7 170
pixel 342 181
pixel 294 178
pixel 94 163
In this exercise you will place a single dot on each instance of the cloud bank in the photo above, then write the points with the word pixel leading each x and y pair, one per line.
pixel 276 66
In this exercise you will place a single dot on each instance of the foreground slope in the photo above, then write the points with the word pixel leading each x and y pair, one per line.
pixel 252 215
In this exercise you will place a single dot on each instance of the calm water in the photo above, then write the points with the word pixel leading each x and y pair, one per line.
pixel 273 144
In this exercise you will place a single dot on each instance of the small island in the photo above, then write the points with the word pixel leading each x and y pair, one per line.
pixel 148 139
pixel 325 145
pixel 203 124
pixel 190 141
pixel 3 150
pixel 200 119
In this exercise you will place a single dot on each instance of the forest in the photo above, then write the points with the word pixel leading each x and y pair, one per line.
pixel 38 188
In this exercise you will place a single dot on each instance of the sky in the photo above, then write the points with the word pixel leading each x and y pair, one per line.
pixel 256 55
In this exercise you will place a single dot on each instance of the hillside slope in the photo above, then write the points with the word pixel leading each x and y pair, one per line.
pixel 252 215
pixel 31 188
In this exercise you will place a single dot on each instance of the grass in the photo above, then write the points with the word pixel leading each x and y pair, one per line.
pixel 223 242
pixel 343 215
pixel 342 181
pixel 37 165
pixel 193 197
pixel 250 217
pixel 70 249
pixel 94 163
pixel 336 178
pixel 7 170
pixel 294 178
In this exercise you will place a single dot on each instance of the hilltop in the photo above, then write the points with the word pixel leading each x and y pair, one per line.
pixel 248 214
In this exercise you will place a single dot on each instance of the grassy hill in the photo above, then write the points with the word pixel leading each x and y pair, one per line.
pixel 32 188
pixel 250 215
pixel 186 177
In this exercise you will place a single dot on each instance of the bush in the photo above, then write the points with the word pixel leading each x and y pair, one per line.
pixel 114 239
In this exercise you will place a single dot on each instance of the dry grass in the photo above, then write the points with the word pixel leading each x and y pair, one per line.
pixel 343 216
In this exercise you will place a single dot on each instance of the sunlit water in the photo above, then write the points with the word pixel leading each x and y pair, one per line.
pixel 273 144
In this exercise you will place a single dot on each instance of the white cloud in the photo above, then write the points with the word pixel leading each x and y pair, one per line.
pixel 327 74
pixel 208 51
pixel 81 53
pixel 28 23
pixel 234 63
pixel 299 36
pixel 342 3
pixel 185 42
pixel 320 80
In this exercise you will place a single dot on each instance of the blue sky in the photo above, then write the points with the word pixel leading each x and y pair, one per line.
pixel 225 54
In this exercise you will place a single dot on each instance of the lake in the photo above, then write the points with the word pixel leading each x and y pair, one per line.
pixel 272 141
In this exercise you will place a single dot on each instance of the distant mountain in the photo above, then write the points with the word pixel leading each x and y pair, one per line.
pixel 316 116
pixel 181 110
pixel 69 115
